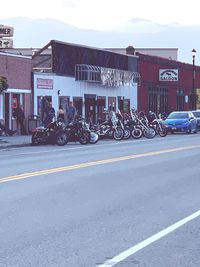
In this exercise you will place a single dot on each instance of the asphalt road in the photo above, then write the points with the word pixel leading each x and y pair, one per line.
pixel 111 204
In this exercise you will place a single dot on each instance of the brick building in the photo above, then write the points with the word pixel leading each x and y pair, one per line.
pixel 166 85
pixel 17 70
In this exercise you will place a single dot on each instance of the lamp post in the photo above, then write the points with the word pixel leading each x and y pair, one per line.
pixel 193 102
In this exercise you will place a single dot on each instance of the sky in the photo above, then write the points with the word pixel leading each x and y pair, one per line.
pixel 105 14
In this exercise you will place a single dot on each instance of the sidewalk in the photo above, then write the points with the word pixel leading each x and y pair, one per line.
pixel 15 141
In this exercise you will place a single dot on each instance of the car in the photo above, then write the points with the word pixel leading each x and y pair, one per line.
pixel 181 121
pixel 197 116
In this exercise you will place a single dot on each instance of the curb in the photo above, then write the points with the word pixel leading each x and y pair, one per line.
pixel 14 145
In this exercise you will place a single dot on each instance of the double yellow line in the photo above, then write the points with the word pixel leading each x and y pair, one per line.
pixel 93 163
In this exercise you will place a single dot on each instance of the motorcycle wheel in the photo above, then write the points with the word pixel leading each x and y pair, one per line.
pixel 94 137
pixel 118 134
pixel 61 139
pixel 163 132
pixel 127 133
pixel 84 137
pixel 149 133
pixel 35 141
pixel 136 133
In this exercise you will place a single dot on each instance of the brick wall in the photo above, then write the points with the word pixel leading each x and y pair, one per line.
pixel 17 70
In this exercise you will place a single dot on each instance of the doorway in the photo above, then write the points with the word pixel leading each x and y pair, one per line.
pixel 90 108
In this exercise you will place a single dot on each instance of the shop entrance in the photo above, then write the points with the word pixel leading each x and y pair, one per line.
pixel 78 104
pixel 7 110
pixel 90 108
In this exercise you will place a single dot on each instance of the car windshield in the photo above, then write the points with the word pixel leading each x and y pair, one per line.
pixel 196 114
pixel 178 115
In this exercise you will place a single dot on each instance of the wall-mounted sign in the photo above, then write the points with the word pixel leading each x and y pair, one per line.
pixel 6 31
pixel 44 83
pixel 169 75
pixel 6 43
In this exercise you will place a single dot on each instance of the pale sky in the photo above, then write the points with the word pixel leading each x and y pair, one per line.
pixel 105 14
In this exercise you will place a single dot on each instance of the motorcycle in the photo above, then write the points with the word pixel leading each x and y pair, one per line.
pixel 123 123
pixel 136 130
pixel 52 134
pixel 94 137
pixel 147 130
pixel 76 132
pixel 110 127
pixel 158 125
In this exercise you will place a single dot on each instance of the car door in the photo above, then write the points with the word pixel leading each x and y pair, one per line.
pixel 193 121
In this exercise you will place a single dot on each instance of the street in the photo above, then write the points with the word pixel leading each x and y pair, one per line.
pixel 82 206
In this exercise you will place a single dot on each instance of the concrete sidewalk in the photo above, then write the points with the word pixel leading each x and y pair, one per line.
pixel 15 141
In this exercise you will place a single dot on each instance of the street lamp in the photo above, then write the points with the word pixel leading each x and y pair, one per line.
pixel 193 102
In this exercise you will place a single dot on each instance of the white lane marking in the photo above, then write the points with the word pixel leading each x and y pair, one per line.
pixel 129 252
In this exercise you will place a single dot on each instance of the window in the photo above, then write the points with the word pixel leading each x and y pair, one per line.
pixel 158 99
pixel 180 100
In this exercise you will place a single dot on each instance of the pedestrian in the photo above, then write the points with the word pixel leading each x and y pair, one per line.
pixel 71 112
pixel 61 114
pixel 21 119
pixel 49 115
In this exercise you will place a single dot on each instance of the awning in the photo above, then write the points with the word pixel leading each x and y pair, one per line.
pixel 106 76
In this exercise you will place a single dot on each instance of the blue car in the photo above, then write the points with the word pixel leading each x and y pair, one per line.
pixel 197 116
pixel 181 121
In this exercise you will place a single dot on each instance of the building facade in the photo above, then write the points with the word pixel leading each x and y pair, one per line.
pixel 17 70
pixel 166 85
pixel 93 79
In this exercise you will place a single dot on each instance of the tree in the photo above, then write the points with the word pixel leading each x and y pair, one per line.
pixel 3 84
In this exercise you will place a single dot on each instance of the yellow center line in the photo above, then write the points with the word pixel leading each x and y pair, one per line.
pixel 93 163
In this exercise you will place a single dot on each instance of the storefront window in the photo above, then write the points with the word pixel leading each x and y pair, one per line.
pixel 180 100
pixel 101 104
pixel 158 99
pixel 78 104
pixel 42 104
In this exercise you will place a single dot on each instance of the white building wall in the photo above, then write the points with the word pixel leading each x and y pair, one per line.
pixel 69 87
pixel 1 106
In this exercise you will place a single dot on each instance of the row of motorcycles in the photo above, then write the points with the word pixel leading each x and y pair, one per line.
pixel 116 126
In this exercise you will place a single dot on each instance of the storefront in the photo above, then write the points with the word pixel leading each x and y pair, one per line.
pixel 92 78
pixel 166 85
pixel 17 70
pixel 89 99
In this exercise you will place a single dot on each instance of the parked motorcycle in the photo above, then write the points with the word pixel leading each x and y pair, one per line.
pixel 76 132
pixel 157 124
pixel 52 134
pixel 123 123
pixel 142 122
pixel 94 137
pixel 109 128
pixel 136 130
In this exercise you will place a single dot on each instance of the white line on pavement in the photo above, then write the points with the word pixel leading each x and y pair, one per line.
pixel 129 252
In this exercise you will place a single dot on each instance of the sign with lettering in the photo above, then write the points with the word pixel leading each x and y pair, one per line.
pixel 6 43
pixel 168 75
pixel 6 31
pixel 44 83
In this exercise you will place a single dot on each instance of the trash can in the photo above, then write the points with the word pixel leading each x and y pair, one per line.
pixel 33 122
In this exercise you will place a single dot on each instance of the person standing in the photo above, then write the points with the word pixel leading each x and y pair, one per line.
pixel 71 112
pixel 21 119
pixel 49 115
pixel 61 114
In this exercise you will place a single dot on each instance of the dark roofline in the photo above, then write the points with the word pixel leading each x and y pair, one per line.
pixel 160 60
pixel 76 45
